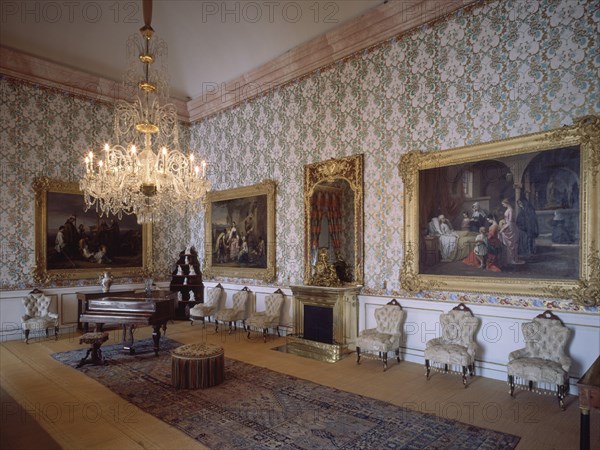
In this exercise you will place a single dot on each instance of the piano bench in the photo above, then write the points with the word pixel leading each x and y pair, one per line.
pixel 196 366
pixel 95 340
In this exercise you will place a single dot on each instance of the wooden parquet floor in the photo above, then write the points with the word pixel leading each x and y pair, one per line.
pixel 48 405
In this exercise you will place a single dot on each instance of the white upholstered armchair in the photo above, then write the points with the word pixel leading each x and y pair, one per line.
pixel 269 318
pixel 237 312
pixel 37 317
pixel 385 337
pixel 543 360
pixel 456 346
pixel 209 308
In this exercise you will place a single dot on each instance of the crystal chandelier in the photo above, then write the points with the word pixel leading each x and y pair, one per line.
pixel 144 172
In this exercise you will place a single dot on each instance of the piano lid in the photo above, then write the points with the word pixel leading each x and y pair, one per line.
pixel 125 304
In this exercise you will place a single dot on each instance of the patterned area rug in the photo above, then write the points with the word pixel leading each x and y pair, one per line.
pixel 257 408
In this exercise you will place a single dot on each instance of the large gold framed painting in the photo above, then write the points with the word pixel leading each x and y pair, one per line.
pixel 72 243
pixel 240 233
pixel 516 217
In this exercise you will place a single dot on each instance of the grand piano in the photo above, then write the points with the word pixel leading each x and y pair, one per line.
pixel 154 309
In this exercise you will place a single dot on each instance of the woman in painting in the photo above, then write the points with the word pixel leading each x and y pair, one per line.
pixel 465 224
pixel 243 258
pixel 234 246
pixel 509 234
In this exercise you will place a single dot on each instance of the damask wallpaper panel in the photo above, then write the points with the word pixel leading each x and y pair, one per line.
pixel 490 71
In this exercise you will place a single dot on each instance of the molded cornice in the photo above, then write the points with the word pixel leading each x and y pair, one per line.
pixel 23 66
pixel 374 27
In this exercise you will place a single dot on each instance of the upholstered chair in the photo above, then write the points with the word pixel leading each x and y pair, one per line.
pixel 543 360
pixel 37 317
pixel 238 312
pixel 214 302
pixel 456 347
pixel 269 318
pixel 385 337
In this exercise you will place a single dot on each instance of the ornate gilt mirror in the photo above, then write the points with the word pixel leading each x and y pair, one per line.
pixel 333 222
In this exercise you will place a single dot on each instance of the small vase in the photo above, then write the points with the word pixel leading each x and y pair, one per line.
pixel 105 281
pixel 148 286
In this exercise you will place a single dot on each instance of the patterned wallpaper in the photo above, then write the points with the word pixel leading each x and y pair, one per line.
pixel 492 71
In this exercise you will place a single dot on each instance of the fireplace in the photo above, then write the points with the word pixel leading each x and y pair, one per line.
pixel 318 324
pixel 325 322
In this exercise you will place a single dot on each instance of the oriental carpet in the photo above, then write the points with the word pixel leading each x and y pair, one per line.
pixel 257 408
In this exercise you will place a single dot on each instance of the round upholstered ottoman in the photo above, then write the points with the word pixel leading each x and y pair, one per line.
pixel 196 366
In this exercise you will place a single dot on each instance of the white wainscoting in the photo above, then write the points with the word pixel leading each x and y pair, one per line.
pixel 498 335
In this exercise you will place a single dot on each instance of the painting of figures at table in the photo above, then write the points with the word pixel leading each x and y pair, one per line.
pixel 515 216
pixel 77 239
pixel 239 232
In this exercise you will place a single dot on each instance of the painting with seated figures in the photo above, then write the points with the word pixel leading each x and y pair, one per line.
pixel 75 243
pixel 514 216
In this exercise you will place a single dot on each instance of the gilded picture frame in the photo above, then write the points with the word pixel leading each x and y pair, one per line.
pixel 239 227
pixel 120 246
pixel 553 173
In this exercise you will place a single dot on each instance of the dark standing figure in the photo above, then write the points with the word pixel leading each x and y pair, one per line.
pixel 115 238
pixel 574 200
pixel 221 247
pixel 561 233
pixel 71 236
pixel 104 234
pixel 81 230
pixel 528 227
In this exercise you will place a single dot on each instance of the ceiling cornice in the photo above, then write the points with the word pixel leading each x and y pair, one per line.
pixel 374 27
pixel 23 66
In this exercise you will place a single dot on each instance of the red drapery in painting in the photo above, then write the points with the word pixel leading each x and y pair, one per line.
pixel 316 215
pixel 334 216
pixel 326 204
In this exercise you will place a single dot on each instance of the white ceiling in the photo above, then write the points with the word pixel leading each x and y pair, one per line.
pixel 209 41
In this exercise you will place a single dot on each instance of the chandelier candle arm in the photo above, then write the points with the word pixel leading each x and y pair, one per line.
pixel 132 177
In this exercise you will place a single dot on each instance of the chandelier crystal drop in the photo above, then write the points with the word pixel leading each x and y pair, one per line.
pixel 144 172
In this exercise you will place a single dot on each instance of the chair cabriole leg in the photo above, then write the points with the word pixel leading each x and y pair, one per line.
pixel 511 384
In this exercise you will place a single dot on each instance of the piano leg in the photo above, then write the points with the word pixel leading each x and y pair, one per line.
pixel 156 337
pixel 128 346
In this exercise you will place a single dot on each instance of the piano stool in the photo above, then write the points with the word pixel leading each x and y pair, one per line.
pixel 95 340
pixel 196 366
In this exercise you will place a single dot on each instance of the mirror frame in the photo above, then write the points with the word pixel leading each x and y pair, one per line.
pixel 349 169
pixel 585 290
